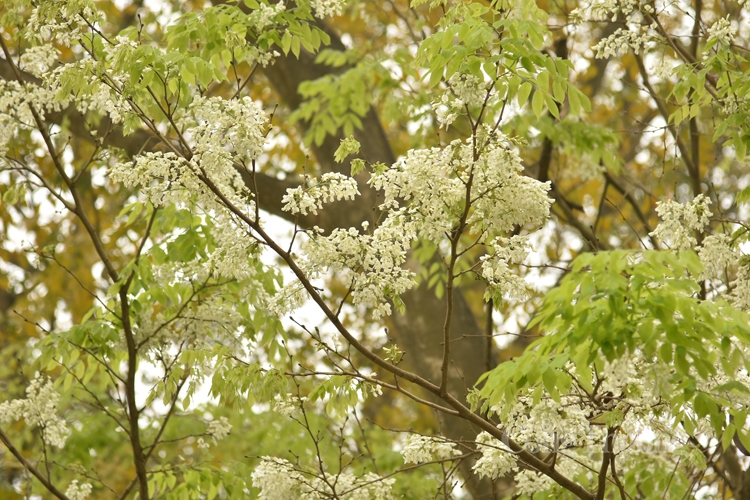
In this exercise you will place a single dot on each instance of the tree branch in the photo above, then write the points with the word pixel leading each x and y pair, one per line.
pixel 33 470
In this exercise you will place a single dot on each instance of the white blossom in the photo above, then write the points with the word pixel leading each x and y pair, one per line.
pixel 425 180
pixel 224 134
pixel 601 10
pixel 371 263
pixel 529 482
pixel 289 405
pixel 420 449
pixel 264 15
pixel 327 8
pixel 716 254
pixel 39 409
pixel 289 298
pixel 678 222
pixel 38 60
pixel 722 32
pixel 446 110
pixel 496 460
pixel 219 428
pixel 15 110
pixel 622 41
pixel 547 422
pixel 663 67
pixel 331 187
pixel 61 21
pixel 77 491
pixel 467 88
pixel 740 296
pixel 432 185
pixel 350 487
pixel 501 281
pixel 234 125
pixel 277 479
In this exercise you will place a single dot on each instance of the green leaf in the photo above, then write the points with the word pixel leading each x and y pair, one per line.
pixel 286 42
pixel 728 435
pixel 704 405
pixel 537 103
pixel 523 93
pixel 358 165
pixel 348 146
pixel 549 377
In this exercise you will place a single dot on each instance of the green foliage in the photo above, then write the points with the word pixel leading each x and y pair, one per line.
pixel 159 324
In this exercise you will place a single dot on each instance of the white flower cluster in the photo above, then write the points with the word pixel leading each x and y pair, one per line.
pixel 289 298
pixel 529 482
pixel 640 381
pixel 234 125
pixel 264 15
pixel 224 134
pixel 77 491
pixel 501 281
pixel 121 47
pixel 278 479
pixel 446 110
pixel 496 461
pixel 678 222
pixel 38 409
pixel 289 405
pixel 426 179
pixel 93 95
pixel 716 254
pixel 219 429
pixel 326 8
pixel 740 296
pixel 106 100
pixel 424 196
pixel 621 41
pixel 350 487
pixel 600 10
pixel 663 67
pixel 236 250
pixel 547 422
pixel 165 178
pixel 234 40
pixel 372 262
pixel 15 112
pixel 433 182
pixel 419 449
pixel 332 186
pixel 38 60
pixel 722 32
pixel 211 321
pixel 61 21
pixel 468 90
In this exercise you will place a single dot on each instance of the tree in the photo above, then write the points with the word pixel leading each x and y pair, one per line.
pixel 521 225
